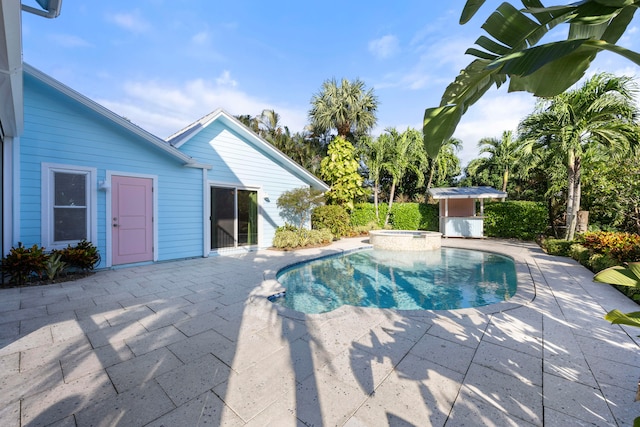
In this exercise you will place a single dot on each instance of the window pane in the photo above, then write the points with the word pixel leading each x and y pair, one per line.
pixel 70 189
pixel 69 224
pixel 247 217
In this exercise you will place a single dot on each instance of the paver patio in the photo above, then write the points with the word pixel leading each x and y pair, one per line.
pixel 196 342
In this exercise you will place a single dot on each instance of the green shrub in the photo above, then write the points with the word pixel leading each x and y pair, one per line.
pixel 333 217
pixel 365 214
pixel 598 262
pixel 580 254
pixel 516 219
pixel 624 247
pixel 54 266
pixel 405 216
pixel 296 204
pixel 22 263
pixel 286 238
pixel 429 217
pixel 363 230
pixel 84 256
pixel 558 247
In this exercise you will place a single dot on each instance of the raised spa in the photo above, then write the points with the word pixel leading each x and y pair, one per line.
pixel 405 240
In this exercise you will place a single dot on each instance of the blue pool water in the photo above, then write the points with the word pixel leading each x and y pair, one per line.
pixel 435 280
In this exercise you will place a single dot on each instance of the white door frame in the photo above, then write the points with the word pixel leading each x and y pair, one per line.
pixel 106 186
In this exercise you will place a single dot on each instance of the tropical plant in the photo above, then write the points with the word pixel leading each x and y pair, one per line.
pixel 347 107
pixel 445 164
pixel 83 256
pixel 21 263
pixel 602 111
pixel 504 154
pixel 333 217
pixel 296 205
pixel 513 52
pixel 287 238
pixel 249 121
pixel 54 265
pixel 622 276
pixel 406 154
pixel 611 192
pixel 340 170
pixel 375 153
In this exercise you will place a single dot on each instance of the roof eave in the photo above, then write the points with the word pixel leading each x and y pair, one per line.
pixel 113 117
pixel 239 127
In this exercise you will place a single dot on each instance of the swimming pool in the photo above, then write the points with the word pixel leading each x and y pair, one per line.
pixel 443 279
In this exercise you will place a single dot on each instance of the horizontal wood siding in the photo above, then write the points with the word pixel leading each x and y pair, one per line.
pixel 236 161
pixel 61 130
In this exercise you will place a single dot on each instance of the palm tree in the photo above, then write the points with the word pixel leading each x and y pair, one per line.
pixel 349 108
pixel 602 111
pixel 375 152
pixel 406 153
pixel 445 162
pixel 512 53
pixel 504 154
pixel 270 126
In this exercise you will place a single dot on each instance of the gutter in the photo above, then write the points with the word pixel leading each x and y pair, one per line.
pixel 52 10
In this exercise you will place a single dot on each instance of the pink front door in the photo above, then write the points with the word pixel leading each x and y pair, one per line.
pixel 132 219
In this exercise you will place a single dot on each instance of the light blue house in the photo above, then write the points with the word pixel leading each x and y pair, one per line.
pixel 81 171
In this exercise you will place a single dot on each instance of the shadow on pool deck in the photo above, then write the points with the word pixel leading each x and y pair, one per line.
pixel 195 341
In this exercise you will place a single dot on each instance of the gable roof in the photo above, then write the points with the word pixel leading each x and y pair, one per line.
pixel 466 193
pixel 114 118
pixel 181 137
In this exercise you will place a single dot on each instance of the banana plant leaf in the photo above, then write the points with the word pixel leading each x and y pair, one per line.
pixel 512 52
pixel 619 275
pixel 617 317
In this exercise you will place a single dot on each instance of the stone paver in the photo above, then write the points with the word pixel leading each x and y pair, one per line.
pixel 195 342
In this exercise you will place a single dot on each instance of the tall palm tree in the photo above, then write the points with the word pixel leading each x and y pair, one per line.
pixel 270 125
pixel 602 111
pixel 406 153
pixel 504 154
pixel 515 50
pixel 249 121
pixel 445 162
pixel 347 107
pixel 375 152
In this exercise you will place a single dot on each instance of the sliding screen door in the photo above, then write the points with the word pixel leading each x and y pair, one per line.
pixel 234 217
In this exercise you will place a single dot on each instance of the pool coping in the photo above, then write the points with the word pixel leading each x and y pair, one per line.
pixel 525 291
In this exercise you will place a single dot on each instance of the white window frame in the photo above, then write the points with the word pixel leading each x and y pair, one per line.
pixel 48 200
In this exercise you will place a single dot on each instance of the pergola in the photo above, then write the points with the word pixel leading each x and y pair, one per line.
pixel 458 216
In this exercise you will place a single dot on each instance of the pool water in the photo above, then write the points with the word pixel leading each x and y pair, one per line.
pixel 442 279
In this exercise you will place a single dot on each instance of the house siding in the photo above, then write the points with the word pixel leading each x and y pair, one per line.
pixel 61 130
pixel 238 162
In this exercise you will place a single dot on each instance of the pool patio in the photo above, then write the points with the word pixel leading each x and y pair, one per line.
pixel 195 342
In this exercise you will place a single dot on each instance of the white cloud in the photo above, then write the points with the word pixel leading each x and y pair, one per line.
pixel 71 41
pixel 225 79
pixel 489 117
pixel 164 108
pixel 131 21
pixel 202 38
pixel 384 47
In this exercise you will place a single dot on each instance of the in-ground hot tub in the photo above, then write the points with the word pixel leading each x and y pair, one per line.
pixel 405 240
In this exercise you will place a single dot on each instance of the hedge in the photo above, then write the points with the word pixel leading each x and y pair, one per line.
pixel 515 219
pixel 404 216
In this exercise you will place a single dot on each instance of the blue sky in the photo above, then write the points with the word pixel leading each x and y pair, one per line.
pixel 163 64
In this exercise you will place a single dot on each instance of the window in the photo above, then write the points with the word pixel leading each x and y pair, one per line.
pixel 68 205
